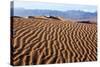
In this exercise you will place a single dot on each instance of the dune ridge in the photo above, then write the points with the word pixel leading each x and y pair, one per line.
pixel 43 41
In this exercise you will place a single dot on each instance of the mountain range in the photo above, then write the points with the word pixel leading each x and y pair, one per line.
pixel 70 14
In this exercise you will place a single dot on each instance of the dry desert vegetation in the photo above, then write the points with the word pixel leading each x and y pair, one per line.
pixel 51 40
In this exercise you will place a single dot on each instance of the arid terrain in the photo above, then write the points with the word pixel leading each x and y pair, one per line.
pixel 50 40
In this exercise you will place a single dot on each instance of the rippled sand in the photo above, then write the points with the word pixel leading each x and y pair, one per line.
pixel 51 41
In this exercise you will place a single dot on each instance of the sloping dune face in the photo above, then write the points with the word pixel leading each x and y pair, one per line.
pixel 51 41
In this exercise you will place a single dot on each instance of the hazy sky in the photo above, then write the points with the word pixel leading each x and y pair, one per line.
pixel 53 6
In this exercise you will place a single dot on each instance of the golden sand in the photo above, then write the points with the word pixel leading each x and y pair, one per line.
pixel 51 41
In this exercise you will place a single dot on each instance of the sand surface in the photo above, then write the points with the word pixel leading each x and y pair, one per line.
pixel 51 41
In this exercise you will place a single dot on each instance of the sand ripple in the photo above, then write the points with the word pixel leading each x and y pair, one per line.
pixel 44 41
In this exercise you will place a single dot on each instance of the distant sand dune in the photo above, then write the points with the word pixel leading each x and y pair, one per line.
pixel 38 17
pixel 44 41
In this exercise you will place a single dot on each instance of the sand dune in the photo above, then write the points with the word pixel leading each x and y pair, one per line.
pixel 44 41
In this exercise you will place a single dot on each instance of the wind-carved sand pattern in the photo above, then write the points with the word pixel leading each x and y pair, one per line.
pixel 50 41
